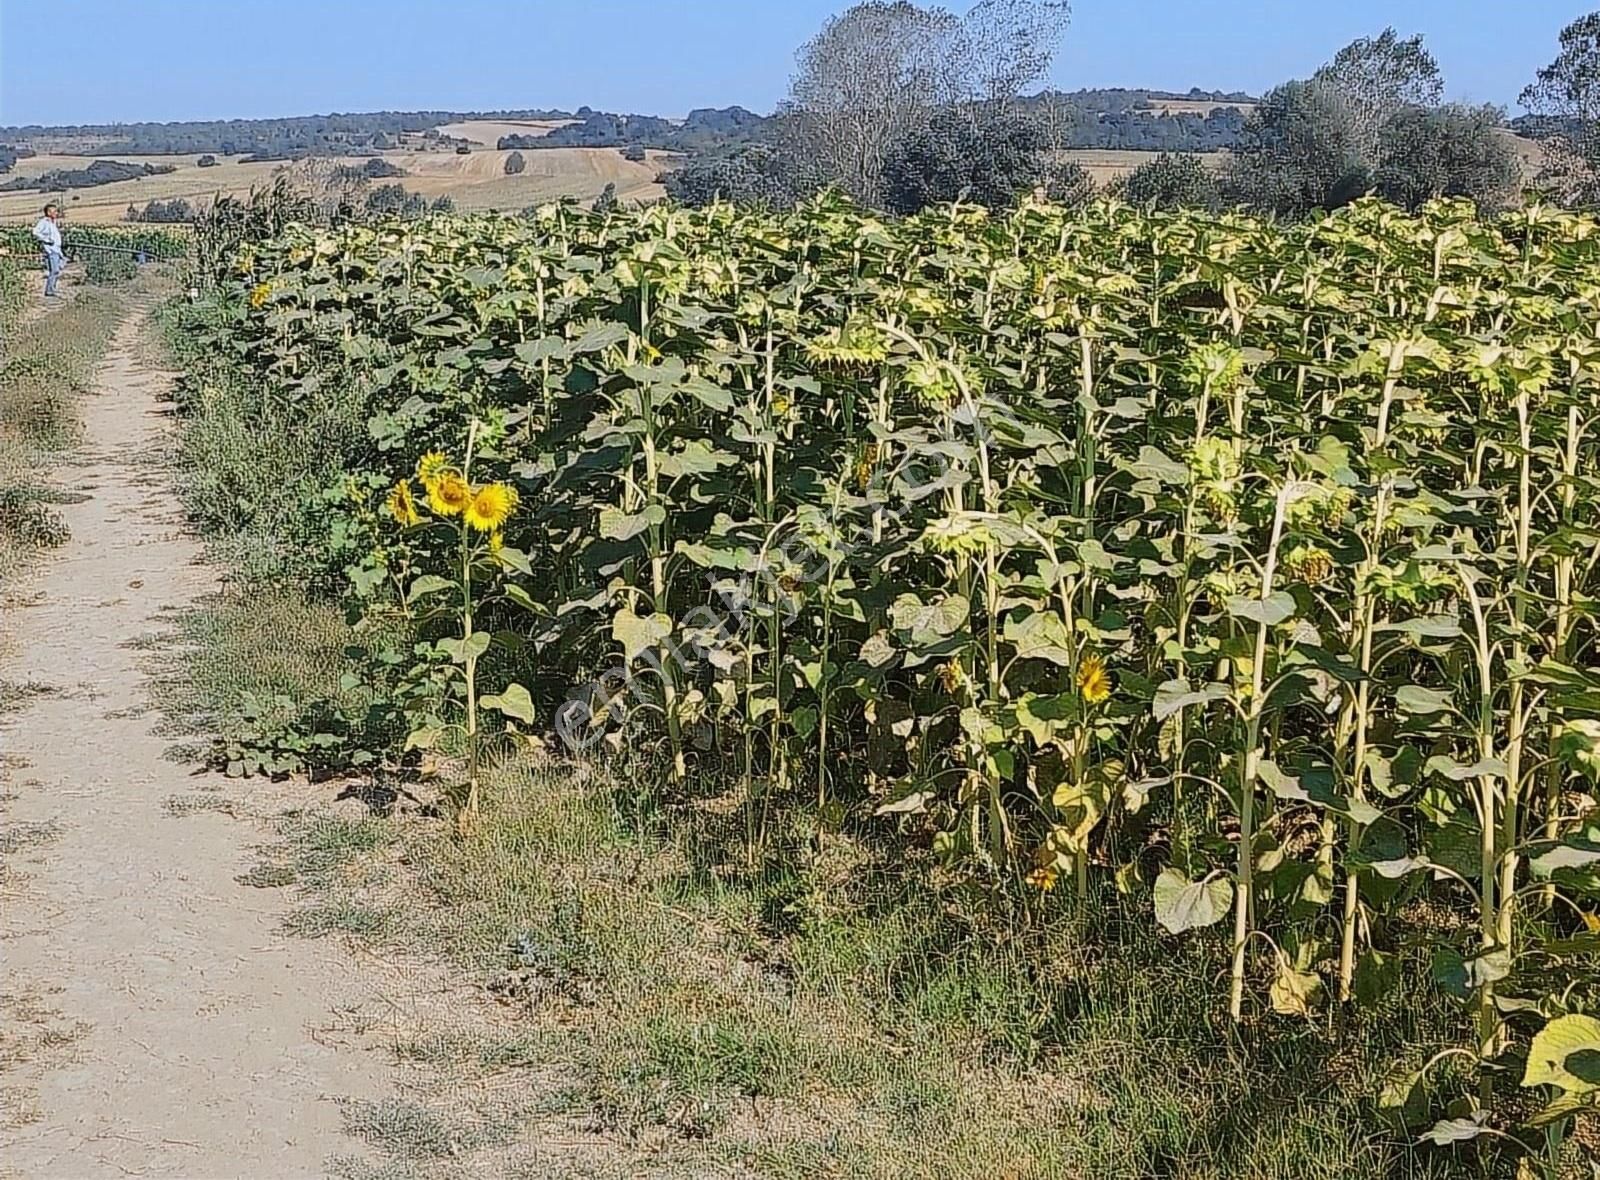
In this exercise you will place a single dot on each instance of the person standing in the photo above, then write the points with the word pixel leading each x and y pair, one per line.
pixel 48 234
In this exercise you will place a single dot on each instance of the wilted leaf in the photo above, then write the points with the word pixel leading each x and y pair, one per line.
pixel 927 623
pixel 1040 636
pixel 1183 905
pixel 423 739
pixel 1451 769
pixel 1448 1131
pixel 1176 695
pixel 1579 854
pixel 1155 464
pixel 428 584
pixel 1413 698
pixel 1566 1054
pixel 1276 608
pixel 637 633
pixel 616 525
pixel 916 801
pixel 601 337
pixel 514 702
pixel 1400 867
pixel 1294 992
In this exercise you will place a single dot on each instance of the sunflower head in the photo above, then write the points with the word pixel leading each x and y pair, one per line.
pixel 1094 682
pixel 259 294
pixel 403 505
pixel 448 494
pixel 431 466
pixel 1044 877
pixel 490 506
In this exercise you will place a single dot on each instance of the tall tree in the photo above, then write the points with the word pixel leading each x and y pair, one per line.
pixel 989 161
pixel 878 74
pixel 1008 45
pixel 874 74
pixel 1378 76
pixel 1566 95
pixel 1173 180
pixel 1299 151
pixel 1449 151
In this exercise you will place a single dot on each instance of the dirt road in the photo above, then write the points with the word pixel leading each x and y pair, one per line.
pixel 153 1021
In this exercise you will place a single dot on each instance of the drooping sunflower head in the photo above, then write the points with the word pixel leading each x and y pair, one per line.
pixel 403 505
pixel 449 494
pixel 488 508
pixel 959 534
pixel 431 466
pixel 1094 681
pixel 259 294
pixel 1312 564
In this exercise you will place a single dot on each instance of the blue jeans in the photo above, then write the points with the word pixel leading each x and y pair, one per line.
pixel 54 263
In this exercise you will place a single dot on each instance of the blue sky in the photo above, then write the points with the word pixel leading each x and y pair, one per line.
pixel 81 61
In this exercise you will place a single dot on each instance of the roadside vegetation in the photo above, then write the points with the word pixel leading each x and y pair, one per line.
pixel 46 362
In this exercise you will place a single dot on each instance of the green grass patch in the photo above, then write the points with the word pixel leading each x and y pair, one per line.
pixel 45 365
pixel 260 672
pixel 851 1017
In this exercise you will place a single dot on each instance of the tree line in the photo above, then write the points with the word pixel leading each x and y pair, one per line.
pixel 97 173
pixel 900 105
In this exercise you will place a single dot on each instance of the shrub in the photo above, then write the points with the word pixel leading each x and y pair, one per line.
pixel 1451 151
pixel 175 211
pixel 392 200
pixel 109 267
pixel 1172 181
pixel 515 164
pixel 960 156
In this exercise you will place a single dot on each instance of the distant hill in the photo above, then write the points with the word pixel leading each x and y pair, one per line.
pixel 1116 119
pixel 287 138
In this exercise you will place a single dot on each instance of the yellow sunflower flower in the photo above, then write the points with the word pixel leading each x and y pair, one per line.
pixel 448 494
pixel 431 466
pixel 1044 877
pixel 491 506
pixel 1094 682
pixel 259 294
pixel 403 505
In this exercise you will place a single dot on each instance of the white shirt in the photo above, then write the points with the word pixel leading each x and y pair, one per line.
pixel 48 234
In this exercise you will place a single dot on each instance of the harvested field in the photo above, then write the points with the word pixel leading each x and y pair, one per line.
pixel 475 181
pixel 488 131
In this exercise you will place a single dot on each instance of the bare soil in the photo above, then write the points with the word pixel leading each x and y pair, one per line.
pixel 153 1019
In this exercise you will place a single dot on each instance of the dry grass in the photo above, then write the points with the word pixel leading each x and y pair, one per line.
pixel 107 203
pixel 1195 106
pixel 1105 165
pixel 681 1016
pixel 479 181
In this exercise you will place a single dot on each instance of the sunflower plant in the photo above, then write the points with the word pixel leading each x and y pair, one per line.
pixel 1240 568
pixel 440 498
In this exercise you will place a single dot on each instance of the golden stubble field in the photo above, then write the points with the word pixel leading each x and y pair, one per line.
pixel 474 182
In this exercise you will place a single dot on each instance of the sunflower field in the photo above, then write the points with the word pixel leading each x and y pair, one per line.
pixel 1247 570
